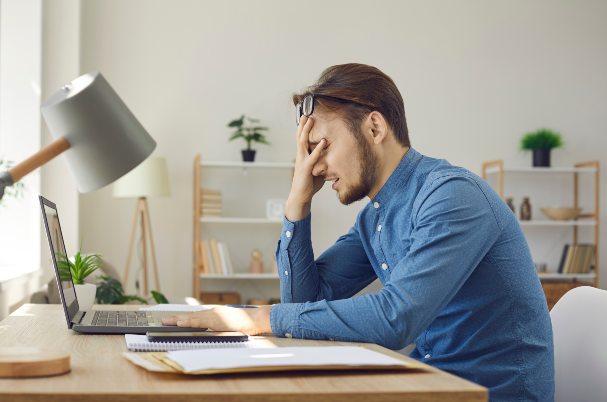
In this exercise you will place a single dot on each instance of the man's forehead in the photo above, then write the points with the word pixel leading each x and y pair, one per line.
pixel 324 124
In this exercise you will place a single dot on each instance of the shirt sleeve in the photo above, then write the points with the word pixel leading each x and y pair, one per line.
pixel 454 227
pixel 341 271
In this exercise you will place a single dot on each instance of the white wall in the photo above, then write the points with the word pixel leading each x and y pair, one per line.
pixel 475 75
pixel 20 70
pixel 61 64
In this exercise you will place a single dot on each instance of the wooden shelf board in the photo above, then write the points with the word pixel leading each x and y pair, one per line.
pixel 558 223
pixel 495 169
pixel 239 276
pixel 554 275
pixel 222 219
pixel 247 165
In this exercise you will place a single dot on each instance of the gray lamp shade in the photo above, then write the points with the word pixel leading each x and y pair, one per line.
pixel 106 140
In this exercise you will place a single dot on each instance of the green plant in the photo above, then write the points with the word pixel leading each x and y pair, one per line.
pixel 16 190
pixel 110 291
pixel 542 138
pixel 248 130
pixel 80 268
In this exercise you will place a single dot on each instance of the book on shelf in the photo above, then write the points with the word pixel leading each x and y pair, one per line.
pixel 216 257
pixel 226 261
pixel 210 193
pixel 563 258
pixel 211 211
pixel 576 259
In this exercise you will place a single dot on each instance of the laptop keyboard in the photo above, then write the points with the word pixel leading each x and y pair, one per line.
pixel 120 319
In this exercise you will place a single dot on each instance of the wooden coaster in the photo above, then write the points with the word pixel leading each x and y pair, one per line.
pixel 19 362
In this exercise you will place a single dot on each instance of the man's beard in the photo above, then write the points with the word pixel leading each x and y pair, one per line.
pixel 368 167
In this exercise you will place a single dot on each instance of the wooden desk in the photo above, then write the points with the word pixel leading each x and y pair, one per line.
pixel 101 373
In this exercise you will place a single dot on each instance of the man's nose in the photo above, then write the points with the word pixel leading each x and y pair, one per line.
pixel 318 169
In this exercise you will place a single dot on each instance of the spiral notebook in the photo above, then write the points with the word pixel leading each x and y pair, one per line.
pixel 140 343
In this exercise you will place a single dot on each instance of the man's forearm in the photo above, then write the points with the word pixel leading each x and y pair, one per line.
pixel 297 210
pixel 299 279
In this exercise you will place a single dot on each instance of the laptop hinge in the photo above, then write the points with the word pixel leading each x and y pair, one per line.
pixel 78 317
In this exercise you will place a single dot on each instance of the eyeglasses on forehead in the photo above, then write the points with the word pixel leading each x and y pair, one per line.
pixel 305 107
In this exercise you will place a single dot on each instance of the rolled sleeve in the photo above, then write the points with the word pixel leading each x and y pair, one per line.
pixel 284 319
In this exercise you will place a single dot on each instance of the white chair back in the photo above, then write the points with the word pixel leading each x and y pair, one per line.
pixel 579 323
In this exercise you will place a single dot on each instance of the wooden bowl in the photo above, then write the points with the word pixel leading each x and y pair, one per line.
pixel 561 213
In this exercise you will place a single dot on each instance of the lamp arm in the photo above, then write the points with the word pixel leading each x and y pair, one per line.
pixel 38 159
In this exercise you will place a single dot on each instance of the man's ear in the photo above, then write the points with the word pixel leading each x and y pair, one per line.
pixel 377 127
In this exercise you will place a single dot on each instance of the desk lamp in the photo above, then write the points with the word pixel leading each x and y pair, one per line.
pixel 102 141
pixel 89 119
pixel 150 179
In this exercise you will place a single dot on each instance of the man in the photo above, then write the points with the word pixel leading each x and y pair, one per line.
pixel 458 277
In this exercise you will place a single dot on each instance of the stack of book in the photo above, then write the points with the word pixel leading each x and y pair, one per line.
pixel 576 259
pixel 210 203
pixel 215 257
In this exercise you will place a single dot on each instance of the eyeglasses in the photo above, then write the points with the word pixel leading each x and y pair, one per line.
pixel 306 106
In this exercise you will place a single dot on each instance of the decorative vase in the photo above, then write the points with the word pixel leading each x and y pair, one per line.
pixel 541 157
pixel 85 294
pixel 248 155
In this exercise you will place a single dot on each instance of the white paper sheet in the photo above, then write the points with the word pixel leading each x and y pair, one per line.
pixel 213 359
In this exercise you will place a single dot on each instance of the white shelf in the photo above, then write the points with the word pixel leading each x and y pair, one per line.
pixel 247 165
pixel 587 222
pixel 221 219
pixel 495 170
pixel 555 275
pixel 239 276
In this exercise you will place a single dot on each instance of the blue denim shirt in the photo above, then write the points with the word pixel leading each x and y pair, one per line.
pixel 458 281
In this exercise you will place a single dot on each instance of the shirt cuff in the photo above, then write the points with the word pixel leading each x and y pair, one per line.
pixel 284 318
pixel 296 232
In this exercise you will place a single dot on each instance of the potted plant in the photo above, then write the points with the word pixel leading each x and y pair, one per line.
pixel 248 130
pixel 16 190
pixel 541 142
pixel 110 291
pixel 80 267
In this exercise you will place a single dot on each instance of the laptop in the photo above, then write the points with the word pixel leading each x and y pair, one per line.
pixel 96 321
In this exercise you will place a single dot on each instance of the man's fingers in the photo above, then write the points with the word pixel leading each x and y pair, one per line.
pixel 192 323
pixel 302 123
pixel 315 154
pixel 304 135
pixel 174 319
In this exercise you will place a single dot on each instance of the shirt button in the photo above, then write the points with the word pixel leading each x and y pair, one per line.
pixel 427 356
pixel 376 205
pixel 286 273
pixel 288 234
pixel 379 228
pixel 288 335
pixel 384 266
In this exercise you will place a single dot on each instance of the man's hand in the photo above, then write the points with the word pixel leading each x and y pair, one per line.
pixel 251 321
pixel 304 184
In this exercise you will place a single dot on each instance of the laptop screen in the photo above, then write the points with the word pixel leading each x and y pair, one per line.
pixel 59 255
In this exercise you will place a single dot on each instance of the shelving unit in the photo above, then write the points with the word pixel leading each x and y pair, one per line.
pixel 242 216
pixel 556 284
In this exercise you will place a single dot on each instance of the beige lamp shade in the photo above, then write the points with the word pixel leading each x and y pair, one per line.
pixel 149 179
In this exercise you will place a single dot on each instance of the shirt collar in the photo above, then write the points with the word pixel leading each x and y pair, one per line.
pixel 399 177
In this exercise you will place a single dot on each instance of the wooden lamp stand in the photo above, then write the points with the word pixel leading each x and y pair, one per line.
pixel 142 219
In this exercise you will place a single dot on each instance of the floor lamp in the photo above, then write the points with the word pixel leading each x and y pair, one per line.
pixel 150 179
pixel 102 141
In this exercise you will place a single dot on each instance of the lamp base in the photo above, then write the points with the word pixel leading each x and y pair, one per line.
pixel 23 362
pixel 6 180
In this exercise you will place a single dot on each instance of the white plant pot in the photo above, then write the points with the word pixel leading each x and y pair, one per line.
pixel 86 296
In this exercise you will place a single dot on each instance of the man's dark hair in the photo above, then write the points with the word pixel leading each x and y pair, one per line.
pixel 363 89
